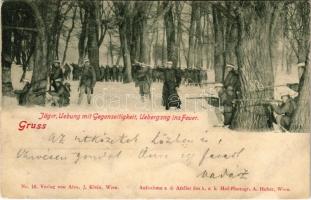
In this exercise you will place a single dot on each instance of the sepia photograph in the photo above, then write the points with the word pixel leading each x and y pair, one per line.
pixel 155 99
pixel 242 62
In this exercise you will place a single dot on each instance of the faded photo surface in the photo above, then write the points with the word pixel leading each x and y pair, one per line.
pixel 155 99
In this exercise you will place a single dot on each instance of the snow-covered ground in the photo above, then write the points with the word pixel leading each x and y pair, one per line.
pixel 116 96
pixel 119 97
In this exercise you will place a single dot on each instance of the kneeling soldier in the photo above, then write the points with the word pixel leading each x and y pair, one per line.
pixel 61 96
pixel 285 110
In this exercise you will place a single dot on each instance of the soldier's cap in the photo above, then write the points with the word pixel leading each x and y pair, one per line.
pixel 26 80
pixel 58 80
pixel 86 60
pixel 67 84
pixel 169 62
pixel 232 66
pixel 219 85
pixel 301 64
pixel 230 88
pixel 56 61
pixel 285 93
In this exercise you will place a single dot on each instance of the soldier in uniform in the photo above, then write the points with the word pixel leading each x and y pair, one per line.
pixel 106 74
pixel 232 78
pixel 56 73
pixel 87 81
pixel 67 71
pixel 61 96
pixel 75 72
pixel 144 80
pixel 186 75
pixel 120 73
pixel 114 73
pixel 172 80
pixel 219 88
pixel 204 75
pixel 111 73
pixel 22 94
pixel 158 73
pixel 102 73
pixel 153 74
pixel 285 110
pixel 227 100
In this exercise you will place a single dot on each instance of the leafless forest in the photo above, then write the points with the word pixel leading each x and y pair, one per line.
pixel 260 37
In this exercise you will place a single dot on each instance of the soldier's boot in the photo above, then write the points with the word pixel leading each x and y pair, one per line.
pixel 167 107
pixel 89 98
pixel 80 97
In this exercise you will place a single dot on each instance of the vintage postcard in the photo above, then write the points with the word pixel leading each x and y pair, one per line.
pixel 155 99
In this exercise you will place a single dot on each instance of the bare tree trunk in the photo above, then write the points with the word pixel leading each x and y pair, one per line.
pixel 51 17
pixel 40 72
pixel 191 53
pixel 230 43
pixel 6 62
pixel 55 34
pixel 44 54
pixel 125 53
pixel 199 54
pixel 209 41
pixel 301 118
pixel 133 40
pixel 163 56
pixel 83 35
pixel 69 34
pixel 170 33
pixel 144 41
pixel 93 47
pixel 110 49
pixel 156 46
pixel 219 56
pixel 255 66
pixel 151 46
pixel 119 56
pixel 184 50
pixel 204 38
pixel 179 32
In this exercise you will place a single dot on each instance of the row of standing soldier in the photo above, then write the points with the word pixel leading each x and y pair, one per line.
pixel 115 73
pixel 142 75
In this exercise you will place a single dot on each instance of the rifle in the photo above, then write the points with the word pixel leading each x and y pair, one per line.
pixel 203 96
pixel 211 100
pixel 142 64
pixel 38 93
pixel 256 102
pixel 200 97
pixel 208 83
pixel 290 85
pixel 261 100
